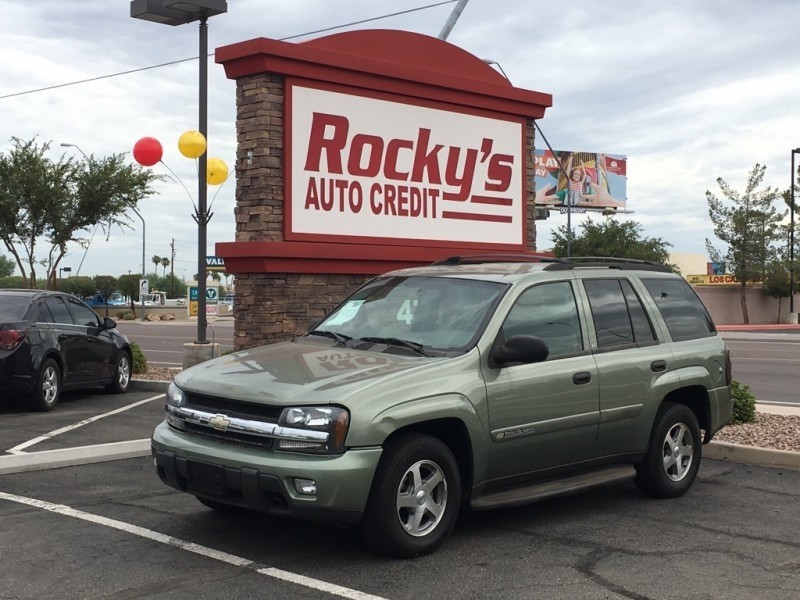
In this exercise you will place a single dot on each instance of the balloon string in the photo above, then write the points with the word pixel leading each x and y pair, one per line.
pixel 217 193
pixel 178 179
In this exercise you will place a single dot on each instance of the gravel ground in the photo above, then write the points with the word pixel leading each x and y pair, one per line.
pixel 781 432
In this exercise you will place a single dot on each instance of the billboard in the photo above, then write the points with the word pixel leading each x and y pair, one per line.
pixel 580 181
pixel 363 168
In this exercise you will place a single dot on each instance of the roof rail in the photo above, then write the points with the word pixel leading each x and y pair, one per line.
pixel 607 262
pixel 476 259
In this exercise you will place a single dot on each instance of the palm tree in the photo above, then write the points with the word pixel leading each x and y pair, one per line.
pixel 156 261
pixel 165 263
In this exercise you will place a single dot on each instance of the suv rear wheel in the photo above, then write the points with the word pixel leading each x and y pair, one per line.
pixel 415 497
pixel 673 458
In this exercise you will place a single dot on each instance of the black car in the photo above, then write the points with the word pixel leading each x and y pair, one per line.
pixel 51 341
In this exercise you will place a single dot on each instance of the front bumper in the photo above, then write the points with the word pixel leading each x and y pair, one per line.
pixel 263 480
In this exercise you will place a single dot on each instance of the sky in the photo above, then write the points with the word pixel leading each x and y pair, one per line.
pixel 689 91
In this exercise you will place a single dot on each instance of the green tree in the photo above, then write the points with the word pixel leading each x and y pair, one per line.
pixel 165 262
pixel 51 203
pixel 14 282
pixel 7 266
pixel 80 285
pixel 129 285
pixel 749 224
pixel 612 238
pixel 156 260
pixel 776 283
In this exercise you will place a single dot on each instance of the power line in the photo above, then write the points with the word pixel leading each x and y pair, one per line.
pixel 183 60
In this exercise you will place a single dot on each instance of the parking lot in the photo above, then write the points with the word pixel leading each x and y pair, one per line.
pixel 111 529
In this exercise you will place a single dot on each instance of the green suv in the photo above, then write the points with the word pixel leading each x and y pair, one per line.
pixel 474 383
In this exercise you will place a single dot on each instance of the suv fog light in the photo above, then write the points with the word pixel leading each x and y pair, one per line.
pixel 307 487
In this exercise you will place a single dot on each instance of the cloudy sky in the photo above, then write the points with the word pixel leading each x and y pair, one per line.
pixel 689 91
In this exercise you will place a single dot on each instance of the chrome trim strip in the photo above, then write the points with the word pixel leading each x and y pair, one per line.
pixel 548 426
pixel 221 422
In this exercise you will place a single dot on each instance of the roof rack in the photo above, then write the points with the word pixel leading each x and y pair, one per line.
pixel 476 259
pixel 607 262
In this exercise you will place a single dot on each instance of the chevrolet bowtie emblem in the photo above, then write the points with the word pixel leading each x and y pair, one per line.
pixel 220 422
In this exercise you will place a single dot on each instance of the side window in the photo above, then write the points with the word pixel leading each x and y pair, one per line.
pixel 59 311
pixel 43 314
pixel 619 318
pixel 548 311
pixel 683 311
pixel 83 314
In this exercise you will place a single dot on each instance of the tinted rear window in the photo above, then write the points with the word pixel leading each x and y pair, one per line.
pixel 12 308
pixel 683 311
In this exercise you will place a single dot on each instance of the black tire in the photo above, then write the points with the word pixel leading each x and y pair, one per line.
pixel 48 386
pixel 415 497
pixel 673 456
pixel 123 369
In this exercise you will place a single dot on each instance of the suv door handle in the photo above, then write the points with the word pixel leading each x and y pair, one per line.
pixel 657 366
pixel 581 378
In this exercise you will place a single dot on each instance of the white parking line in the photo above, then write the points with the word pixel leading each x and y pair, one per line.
pixel 18 449
pixel 225 557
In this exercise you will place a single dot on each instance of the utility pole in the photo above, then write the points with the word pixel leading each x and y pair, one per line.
pixel 172 270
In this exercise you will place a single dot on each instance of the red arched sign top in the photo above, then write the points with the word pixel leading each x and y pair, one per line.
pixel 428 144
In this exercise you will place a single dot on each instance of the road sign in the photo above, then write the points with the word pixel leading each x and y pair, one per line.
pixel 144 286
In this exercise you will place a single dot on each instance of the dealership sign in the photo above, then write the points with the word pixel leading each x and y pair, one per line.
pixel 362 167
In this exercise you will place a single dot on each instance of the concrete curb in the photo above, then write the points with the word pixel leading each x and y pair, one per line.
pixel 69 457
pixel 752 455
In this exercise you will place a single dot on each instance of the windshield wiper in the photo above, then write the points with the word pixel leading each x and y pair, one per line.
pixel 392 341
pixel 339 337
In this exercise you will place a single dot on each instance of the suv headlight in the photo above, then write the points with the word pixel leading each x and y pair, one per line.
pixel 328 419
pixel 176 397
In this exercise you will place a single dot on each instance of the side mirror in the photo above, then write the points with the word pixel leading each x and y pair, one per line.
pixel 524 349
pixel 109 323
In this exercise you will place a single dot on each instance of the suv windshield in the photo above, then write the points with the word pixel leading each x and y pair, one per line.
pixel 433 312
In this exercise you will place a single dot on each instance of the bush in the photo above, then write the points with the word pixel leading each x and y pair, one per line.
pixel 139 359
pixel 744 404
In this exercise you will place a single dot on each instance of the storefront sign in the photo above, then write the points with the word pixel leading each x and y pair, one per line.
pixel 363 167
pixel 712 279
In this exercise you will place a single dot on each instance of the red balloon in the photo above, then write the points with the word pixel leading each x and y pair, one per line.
pixel 148 151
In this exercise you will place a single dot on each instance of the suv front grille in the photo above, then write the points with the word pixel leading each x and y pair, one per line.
pixel 226 409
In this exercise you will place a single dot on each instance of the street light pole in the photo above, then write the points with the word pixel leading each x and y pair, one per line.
pixel 144 273
pixel 180 12
pixel 791 236
pixel 202 188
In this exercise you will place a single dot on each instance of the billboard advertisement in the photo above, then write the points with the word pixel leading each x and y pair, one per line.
pixel 580 181
pixel 363 168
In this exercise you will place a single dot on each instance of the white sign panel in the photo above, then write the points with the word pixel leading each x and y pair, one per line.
pixel 364 167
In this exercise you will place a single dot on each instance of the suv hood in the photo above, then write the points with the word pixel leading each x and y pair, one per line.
pixel 296 372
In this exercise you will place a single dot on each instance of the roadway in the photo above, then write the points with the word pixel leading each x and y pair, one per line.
pixel 767 360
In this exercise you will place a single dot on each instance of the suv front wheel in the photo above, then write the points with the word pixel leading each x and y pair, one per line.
pixel 415 497
pixel 673 457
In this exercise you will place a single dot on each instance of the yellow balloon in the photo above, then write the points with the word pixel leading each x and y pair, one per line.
pixel 192 144
pixel 216 171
